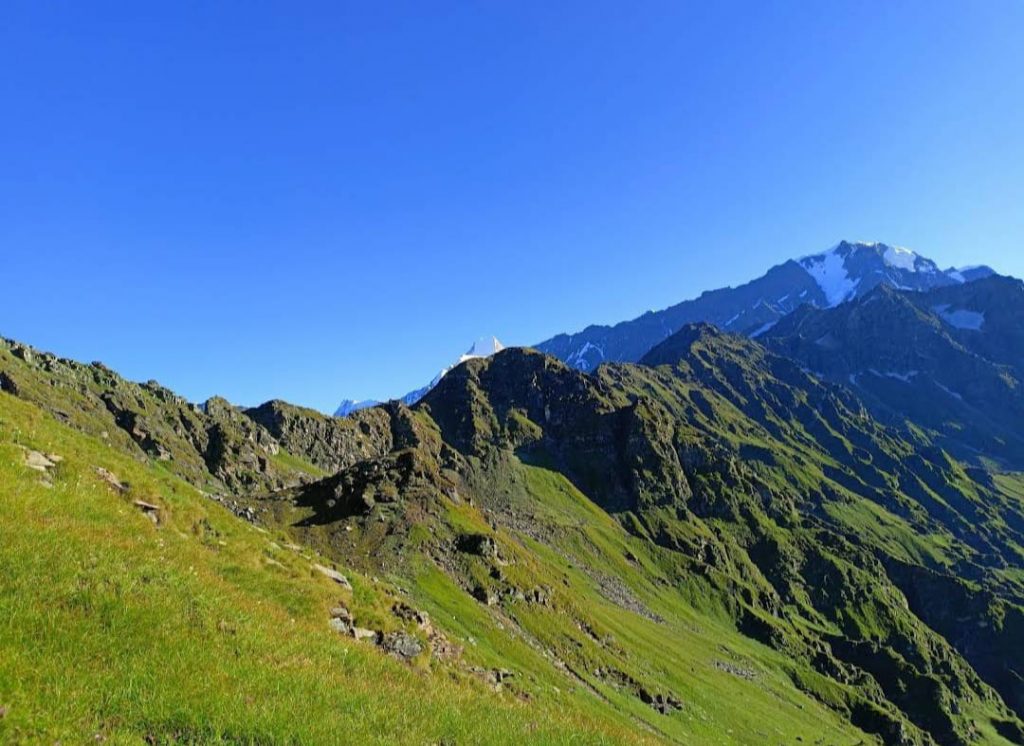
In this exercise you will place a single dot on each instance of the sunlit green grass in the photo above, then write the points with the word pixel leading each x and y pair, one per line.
pixel 202 629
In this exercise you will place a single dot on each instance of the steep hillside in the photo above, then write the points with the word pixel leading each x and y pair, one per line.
pixel 215 446
pixel 949 361
pixel 164 585
pixel 711 546
pixel 742 490
pixel 137 611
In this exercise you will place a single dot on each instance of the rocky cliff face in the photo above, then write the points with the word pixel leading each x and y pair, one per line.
pixel 329 443
pixel 950 360
pixel 215 446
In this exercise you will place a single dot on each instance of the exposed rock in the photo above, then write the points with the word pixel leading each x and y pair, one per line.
pixel 344 626
pixel 361 633
pixel 401 645
pixel 330 443
pixel 485 595
pixel 408 614
pixel 541 595
pixel 666 704
pixel 334 575
pixel 494 677
pixel 738 671
pixel 22 351
pixel 111 479
pixel 149 510
pixel 340 612
pixel 8 384
pixel 479 545
pixel 38 461
pixel 663 703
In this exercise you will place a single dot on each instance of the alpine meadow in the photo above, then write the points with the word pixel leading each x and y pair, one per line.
pixel 785 506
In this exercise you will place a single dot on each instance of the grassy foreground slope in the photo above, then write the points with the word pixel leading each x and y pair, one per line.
pixel 200 627
pixel 203 629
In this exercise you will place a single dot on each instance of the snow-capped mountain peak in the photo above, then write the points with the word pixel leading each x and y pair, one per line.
pixel 483 347
pixel 829 271
pixel 852 268
pixel 844 272
pixel 348 406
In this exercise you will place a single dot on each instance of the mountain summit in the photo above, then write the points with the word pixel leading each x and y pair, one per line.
pixel 848 270
pixel 482 347
pixel 851 270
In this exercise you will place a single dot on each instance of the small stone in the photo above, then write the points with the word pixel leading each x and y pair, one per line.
pixel 344 626
pixel 401 645
pixel 151 511
pixel 334 575
pixel 111 479
pixel 361 633
pixel 39 462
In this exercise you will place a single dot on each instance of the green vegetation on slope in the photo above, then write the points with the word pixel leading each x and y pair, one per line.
pixel 203 628
pixel 712 546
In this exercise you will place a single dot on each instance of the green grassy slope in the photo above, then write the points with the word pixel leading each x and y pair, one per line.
pixel 711 548
pixel 204 629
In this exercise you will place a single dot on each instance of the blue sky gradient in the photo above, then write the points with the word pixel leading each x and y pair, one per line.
pixel 328 199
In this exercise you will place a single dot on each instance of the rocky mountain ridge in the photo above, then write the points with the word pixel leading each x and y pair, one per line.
pixel 948 360
pixel 716 479
pixel 846 271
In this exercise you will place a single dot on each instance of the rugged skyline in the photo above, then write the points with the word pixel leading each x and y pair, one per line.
pixel 374 187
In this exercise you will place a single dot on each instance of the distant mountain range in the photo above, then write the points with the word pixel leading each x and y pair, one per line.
pixel 849 270
pixel 846 271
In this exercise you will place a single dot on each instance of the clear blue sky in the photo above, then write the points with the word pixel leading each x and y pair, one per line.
pixel 325 199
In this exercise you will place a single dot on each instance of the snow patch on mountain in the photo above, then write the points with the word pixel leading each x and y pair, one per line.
pixel 829 271
pixel 900 257
pixel 579 359
pixel 905 376
pixel 949 391
pixel 348 406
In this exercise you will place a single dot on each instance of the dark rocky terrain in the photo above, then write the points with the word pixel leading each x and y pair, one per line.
pixel 949 361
